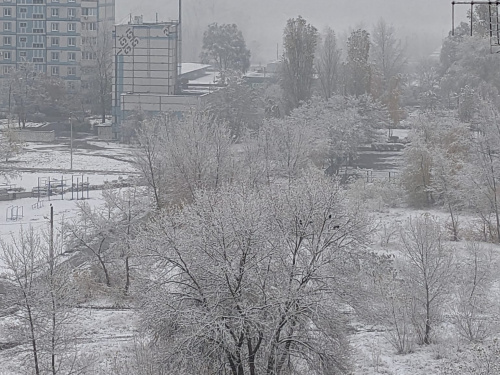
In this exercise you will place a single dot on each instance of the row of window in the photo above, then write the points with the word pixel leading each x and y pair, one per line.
pixel 7 55
pixel 54 27
pixel 7 12
pixel 71 70
pixel 54 41
pixel 38 1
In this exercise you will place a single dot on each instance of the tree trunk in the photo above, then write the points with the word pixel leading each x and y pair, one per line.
pixel 33 338
pixel 127 275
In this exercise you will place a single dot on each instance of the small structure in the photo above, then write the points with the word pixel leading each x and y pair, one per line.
pixel 104 132
pixel 14 213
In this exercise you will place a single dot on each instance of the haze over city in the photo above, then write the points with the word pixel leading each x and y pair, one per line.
pixel 422 24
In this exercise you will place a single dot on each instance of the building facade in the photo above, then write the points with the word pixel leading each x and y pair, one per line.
pixel 52 35
pixel 145 61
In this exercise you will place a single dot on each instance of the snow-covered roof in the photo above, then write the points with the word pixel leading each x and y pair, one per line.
pixel 192 67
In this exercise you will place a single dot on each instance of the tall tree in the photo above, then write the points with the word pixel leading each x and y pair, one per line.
pixel 97 69
pixel 299 43
pixel 224 46
pixel 387 52
pixel 358 77
pixel 328 64
pixel 427 272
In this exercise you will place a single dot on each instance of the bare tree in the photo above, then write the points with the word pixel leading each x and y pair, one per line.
pixel 387 52
pixel 43 297
pixel 473 312
pixel 427 270
pixel 97 69
pixel 92 233
pixel 328 64
pixel 127 210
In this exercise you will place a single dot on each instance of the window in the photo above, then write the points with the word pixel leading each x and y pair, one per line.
pixel 37 1
pixel 6 69
pixel 54 26
pixel 72 26
pixel 37 16
pixel 23 25
pixel 55 1
pixel 71 12
pixel 71 56
pixel 23 10
pixel 55 56
pixel 71 1
pixel 89 11
pixel 89 56
pixel 7 1
pixel 71 42
pixel 55 12
pixel 55 70
pixel 7 40
pixel 22 39
pixel 38 59
pixel 7 55
pixel 37 31
pixel 7 12
pixel 72 70
pixel 92 26
pixel 54 41
pixel 7 26
pixel 37 45
pixel 22 53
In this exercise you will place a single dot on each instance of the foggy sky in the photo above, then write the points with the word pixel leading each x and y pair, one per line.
pixel 421 23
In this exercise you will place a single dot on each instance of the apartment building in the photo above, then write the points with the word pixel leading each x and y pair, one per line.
pixel 55 36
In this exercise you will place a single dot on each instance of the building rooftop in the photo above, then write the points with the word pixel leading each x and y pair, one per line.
pixel 192 67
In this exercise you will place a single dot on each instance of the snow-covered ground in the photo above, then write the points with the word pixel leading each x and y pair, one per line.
pixel 97 163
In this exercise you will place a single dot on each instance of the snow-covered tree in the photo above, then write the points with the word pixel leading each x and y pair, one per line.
pixel 178 156
pixel 328 64
pixel 241 280
pixel 299 47
pixel 238 105
pixel 224 46
pixel 10 145
pixel 97 70
pixel 358 70
pixel 42 296
pixel 387 52
pixel 426 270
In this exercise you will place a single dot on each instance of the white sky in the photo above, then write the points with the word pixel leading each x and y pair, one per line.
pixel 262 21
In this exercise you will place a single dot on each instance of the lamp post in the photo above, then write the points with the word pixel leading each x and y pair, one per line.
pixel 71 143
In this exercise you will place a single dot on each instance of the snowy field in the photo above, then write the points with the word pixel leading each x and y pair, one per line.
pixel 97 163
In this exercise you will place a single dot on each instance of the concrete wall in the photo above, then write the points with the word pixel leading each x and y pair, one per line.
pixel 161 103
pixel 34 136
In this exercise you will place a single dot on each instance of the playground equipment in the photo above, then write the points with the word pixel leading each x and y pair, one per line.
pixel 50 187
pixel 14 213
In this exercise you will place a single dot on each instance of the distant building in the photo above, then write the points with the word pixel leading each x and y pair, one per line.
pixel 147 75
pixel 52 34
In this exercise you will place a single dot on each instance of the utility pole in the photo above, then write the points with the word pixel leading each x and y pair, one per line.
pixel 71 143
pixel 179 49
pixel 51 239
